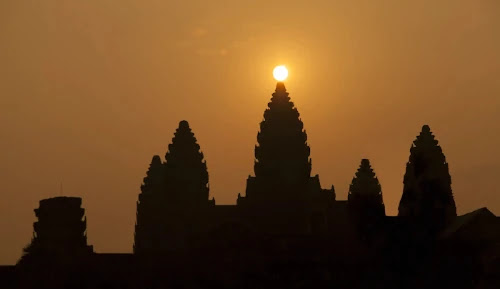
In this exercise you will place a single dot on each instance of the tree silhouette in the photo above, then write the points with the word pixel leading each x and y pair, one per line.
pixel 427 193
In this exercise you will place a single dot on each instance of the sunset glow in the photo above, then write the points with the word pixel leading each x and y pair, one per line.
pixel 280 73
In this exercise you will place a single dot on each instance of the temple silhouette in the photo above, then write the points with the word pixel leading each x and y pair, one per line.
pixel 287 231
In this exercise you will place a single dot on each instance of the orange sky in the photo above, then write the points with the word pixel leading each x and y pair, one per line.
pixel 90 90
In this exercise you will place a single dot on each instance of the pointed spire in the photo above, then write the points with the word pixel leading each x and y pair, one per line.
pixel 282 165
pixel 179 184
pixel 184 147
pixel 281 100
pixel 280 87
pixel 426 139
pixel 365 183
pixel 282 141
pixel 427 190
pixel 365 192
pixel 154 180
pixel 151 198
pixel 186 169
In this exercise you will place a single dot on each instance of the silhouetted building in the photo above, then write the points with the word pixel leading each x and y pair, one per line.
pixel 282 164
pixel 149 208
pixel 289 199
pixel 186 171
pixel 366 205
pixel 427 195
pixel 173 197
pixel 60 229
pixel 58 253
pixel 286 232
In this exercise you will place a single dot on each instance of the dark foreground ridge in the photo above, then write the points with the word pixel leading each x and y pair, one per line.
pixel 286 232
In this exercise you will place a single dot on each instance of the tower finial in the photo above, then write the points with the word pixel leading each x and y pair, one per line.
pixel 280 86
pixel 184 124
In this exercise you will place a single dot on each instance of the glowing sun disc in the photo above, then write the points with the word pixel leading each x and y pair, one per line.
pixel 280 73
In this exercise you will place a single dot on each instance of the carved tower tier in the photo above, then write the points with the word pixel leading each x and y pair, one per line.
pixel 60 230
pixel 427 194
pixel 365 193
pixel 174 196
pixel 282 163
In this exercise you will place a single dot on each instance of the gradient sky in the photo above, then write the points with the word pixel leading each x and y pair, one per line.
pixel 90 90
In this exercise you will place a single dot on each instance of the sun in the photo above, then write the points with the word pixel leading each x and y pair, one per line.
pixel 280 73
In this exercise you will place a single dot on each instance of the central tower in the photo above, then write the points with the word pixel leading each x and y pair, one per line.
pixel 282 164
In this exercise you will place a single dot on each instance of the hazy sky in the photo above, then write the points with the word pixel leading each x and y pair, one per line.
pixel 90 90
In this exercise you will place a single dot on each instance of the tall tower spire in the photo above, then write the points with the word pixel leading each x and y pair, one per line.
pixel 282 165
pixel 427 193
pixel 186 169
pixel 172 195
pixel 365 192
pixel 365 201
pixel 149 207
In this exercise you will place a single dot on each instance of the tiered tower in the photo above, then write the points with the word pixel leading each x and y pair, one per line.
pixel 186 170
pixel 366 206
pixel 282 181
pixel 60 230
pixel 149 208
pixel 365 193
pixel 427 195
pixel 282 164
pixel 174 195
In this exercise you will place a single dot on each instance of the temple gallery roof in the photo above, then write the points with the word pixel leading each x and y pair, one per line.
pixel 474 225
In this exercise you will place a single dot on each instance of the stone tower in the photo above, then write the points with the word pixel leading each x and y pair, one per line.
pixel 287 198
pixel 60 230
pixel 427 194
pixel 149 207
pixel 282 153
pixel 365 193
pixel 186 170
pixel 174 196
pixel 366 206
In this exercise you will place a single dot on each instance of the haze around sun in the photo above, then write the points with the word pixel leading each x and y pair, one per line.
pixel 280 73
